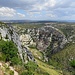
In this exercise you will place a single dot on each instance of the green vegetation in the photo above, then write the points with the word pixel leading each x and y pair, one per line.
pixel 2 24
pixel 67 31
pixel 72 63
pixel 31 66
pixel 37 54
pixel 22 28
pixel 63 59
pixel 29 25
pixel 26 73
pixel 6 37
pixel 50 70
pixel 8 51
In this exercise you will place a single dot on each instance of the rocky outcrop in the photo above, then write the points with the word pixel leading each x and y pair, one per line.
pixel 48 37
pixel 26 39
pixel 7 32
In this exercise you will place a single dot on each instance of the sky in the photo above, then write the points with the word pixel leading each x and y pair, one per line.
pixel 37 9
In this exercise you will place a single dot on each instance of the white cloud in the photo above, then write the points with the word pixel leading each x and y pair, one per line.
pixel 37 4
pixel 32 8
pixel 32 13
pixel 21 15
pixel 9 12
pixel 45 5
pixel 51 15
pixel 50 3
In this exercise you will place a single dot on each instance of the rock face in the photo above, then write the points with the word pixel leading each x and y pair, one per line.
pixel 26 39
pixel 48 36
pixel 47 39
pixel 7 32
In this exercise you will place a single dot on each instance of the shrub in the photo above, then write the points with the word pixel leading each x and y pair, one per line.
pixel 9 51
pixel 11 72
pixel 27 73
pixel 6 37
pixel 2 57
pixel 15 61
pixel 72 63
pixel 31 66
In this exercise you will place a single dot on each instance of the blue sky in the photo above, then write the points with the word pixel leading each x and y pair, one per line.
pixel 37 9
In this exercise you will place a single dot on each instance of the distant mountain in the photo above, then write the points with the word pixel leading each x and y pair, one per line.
pixel 35 21
pixel 16 21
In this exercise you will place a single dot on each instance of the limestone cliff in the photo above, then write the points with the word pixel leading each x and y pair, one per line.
pixel 48 37
pixel 7 32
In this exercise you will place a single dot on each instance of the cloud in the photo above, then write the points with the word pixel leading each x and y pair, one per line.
pixel 21 15
pixel 59 8
pixel 51 15
pixel 35 4
pixel 9 12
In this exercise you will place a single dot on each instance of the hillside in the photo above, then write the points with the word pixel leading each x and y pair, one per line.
pixel 64 58
pixel 61 58
pixel 44 66
pixel 42 49
pixel 17 61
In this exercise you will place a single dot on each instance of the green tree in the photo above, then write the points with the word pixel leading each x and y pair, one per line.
pixel 9 49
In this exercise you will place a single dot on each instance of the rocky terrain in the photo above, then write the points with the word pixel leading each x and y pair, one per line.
pixel 45 37
pixel 53 43
pixel 40 48
pixel 7 32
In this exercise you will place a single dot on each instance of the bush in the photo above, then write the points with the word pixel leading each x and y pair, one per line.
pixel 6 37
pixel 27 73
pixel 15 61
pixel 31 66
pixel 11 72
pixel 9 51
pixel 2 57
pixel 72 63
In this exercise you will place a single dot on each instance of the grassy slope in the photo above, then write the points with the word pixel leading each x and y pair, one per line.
pixel 63 58
pixel 45 67
pixel 66 54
